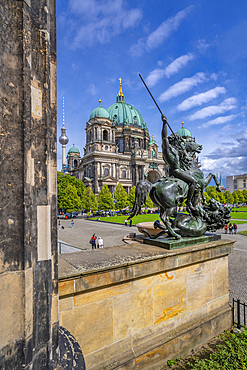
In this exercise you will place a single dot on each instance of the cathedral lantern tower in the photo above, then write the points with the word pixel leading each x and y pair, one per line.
pixel 63 140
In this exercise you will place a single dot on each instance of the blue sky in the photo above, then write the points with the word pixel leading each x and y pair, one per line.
pixel 192 55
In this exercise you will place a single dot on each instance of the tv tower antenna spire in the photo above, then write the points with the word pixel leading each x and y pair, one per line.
pixel 63 139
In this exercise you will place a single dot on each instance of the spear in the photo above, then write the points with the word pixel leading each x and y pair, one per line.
pixel 159 109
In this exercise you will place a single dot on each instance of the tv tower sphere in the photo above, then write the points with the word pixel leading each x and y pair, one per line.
pixel 63 139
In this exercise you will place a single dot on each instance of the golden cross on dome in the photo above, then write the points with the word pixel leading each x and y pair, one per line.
pixel 153 137
pixel 120 80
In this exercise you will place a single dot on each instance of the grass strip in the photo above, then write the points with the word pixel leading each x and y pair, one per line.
pixel 227 351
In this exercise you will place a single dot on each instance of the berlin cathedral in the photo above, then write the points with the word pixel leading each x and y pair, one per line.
pixel 118 149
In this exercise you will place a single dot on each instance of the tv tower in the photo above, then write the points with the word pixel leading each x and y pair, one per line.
pixel 63 139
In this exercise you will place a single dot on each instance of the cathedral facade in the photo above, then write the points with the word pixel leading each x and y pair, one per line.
pixel 118 149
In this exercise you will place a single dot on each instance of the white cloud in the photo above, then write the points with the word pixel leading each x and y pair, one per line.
pixel 202 45
pixel 171 69
pixel 100 20
pixel 182 86
pixel 199 99
pixel 236 150
pixel 219 120
pixel 212 110
pixel 160 35
pixel 92 89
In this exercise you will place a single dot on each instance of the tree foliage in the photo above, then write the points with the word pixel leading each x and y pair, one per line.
pixel 149 203
pixel 121 197
pixel 63 181
pixel 131 197
pixel 91 203
pixel 69 199
pixel 104 199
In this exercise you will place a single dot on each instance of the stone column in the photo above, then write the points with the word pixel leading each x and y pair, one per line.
pixel 95 175
pixel 28 248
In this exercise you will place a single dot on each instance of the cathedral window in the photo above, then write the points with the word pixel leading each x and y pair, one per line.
pixel 96 133
pixel 75 163
pixel 121 145
pixel 106 171
pixel 105 135
pixel 124 174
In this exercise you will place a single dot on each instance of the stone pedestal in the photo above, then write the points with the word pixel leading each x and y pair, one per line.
pixel 134 307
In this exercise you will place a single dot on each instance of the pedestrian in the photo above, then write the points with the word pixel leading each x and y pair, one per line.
pixel 235 228
pixel 93 241
pixel 125 222
pixel 72 223
pixel 100 242
pixel 230 228
pixel 226 227
pixel 130 222
pixel 59 224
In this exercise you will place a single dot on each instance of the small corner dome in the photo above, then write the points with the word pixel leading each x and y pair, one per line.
pixel 73 150
pixel 99 112
pixel 184 132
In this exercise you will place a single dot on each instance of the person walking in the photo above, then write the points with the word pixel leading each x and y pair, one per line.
pixel 226 227
pixel 100 242
pixel 59 224
pixel 130 222
pixel 93 241
pixel 230 228
pixel 125 222
pixel 235 228
pixel 72 223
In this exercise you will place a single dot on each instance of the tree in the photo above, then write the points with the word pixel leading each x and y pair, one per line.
pixel 149 203
pixel 244 192
pixel 121 197
pixel 90 202
pixel 235 197
pixel 228 197
pixel 69 199
pixel 63 181
pixel 221 197
pixel 131 197
pixel 207 197
pixel 240 196
pixel 104 199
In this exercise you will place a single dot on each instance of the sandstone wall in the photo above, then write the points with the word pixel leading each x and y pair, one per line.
pixel 137 315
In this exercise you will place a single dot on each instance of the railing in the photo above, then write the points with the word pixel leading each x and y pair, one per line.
pixel 72 247
pixel 239 310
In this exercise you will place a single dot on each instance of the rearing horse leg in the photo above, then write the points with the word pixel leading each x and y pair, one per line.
pixel 165 216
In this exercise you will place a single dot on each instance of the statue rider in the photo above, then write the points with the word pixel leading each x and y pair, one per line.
pixel 171 157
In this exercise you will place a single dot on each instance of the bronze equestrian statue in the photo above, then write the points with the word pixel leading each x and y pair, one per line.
pixel 185 182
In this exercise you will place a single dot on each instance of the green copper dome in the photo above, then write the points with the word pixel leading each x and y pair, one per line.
pixel 73 150
pixel 184 132
pixel 99 112
pixel 123 114
pixel 126 114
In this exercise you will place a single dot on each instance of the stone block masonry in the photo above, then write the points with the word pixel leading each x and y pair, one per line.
pixel 133 307
pixel 28 240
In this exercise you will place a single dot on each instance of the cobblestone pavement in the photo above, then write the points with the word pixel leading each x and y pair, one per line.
pixel 112 235
pixel 80 235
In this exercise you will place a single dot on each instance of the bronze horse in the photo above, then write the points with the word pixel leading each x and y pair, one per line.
pixel 168 192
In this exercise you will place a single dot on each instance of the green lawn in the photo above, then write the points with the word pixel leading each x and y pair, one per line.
pixel 145 218
pixel 135 220
pixel 242 232
pixel 239 222
pixel 241 209
pixel 241 215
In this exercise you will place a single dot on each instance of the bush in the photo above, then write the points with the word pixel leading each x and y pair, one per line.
pixel 230 354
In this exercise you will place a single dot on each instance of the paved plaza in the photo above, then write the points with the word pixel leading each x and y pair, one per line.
pixel 113 235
